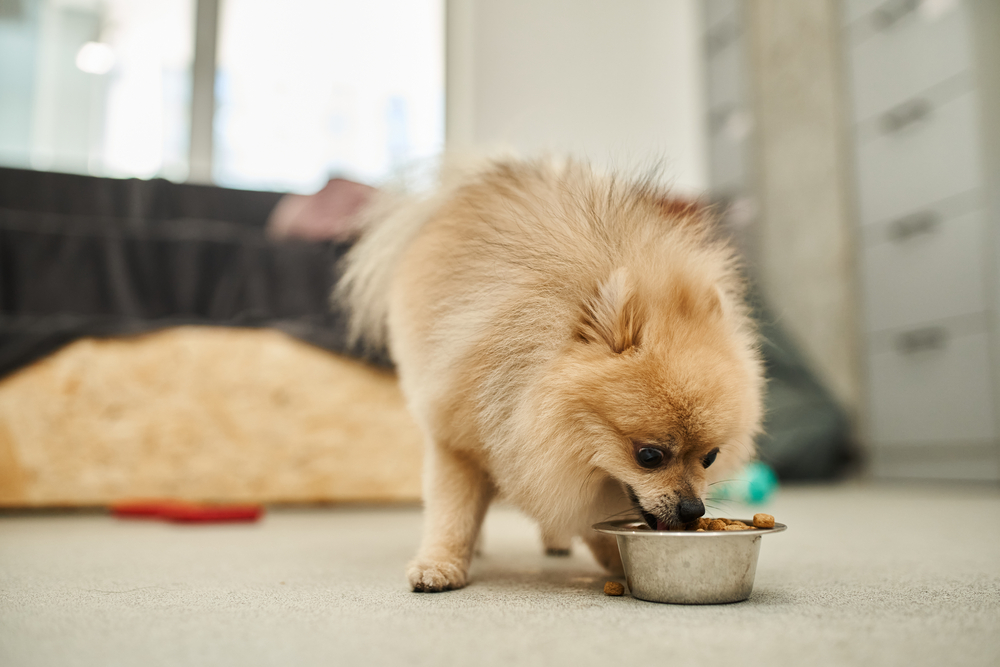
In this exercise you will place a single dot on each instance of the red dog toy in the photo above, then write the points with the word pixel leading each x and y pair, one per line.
pixel 184 512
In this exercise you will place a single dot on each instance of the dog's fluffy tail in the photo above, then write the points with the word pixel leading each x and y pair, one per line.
pixel 388 224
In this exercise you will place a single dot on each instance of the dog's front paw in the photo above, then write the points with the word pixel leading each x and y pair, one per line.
pixel 434 576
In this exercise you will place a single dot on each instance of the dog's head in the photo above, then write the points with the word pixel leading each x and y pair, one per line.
pixel 668 382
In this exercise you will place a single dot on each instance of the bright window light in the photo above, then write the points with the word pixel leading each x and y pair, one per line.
pixel 305 89
pixel 99 87
pixel 95 58
pixel 309 89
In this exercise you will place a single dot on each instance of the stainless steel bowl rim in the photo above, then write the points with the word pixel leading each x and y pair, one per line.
pixel 621 527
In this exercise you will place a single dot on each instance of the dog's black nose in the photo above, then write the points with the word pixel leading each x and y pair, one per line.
pixel 690 509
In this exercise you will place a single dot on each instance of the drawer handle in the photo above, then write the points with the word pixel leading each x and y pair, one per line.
pixel 905 114
pixel 921 340
pixel 891 12
pixel 717 119
pixel 723 35
pixel 924 222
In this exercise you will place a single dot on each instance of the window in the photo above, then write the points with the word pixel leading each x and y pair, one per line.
pixel 304 89
pixel 96 86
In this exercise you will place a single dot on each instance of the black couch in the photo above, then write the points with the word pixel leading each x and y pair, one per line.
pixel 85 256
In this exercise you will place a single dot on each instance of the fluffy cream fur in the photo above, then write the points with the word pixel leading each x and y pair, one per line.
pixel 546 322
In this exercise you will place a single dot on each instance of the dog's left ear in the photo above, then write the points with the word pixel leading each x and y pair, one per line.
pixel 611 316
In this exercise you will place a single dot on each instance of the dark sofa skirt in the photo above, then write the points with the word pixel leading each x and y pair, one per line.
pixel 85 256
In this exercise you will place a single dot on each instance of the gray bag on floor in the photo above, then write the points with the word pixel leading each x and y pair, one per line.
pixel 807 435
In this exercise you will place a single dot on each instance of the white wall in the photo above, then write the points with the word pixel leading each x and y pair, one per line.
pixel 618 81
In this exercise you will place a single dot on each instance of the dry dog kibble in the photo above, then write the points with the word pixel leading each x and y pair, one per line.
pixel 704 524
pixel 759 521
pixel 613 588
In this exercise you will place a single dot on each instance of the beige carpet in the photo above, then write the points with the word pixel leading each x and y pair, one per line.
pixel 900 575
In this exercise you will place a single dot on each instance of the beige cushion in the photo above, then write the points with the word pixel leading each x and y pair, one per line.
pixel 204 413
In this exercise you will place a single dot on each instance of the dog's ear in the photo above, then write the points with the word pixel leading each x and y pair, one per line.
pixel 611 316
pixel 696 302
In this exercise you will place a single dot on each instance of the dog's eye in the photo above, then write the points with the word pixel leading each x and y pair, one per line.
pixel 710 458
pixel 649 457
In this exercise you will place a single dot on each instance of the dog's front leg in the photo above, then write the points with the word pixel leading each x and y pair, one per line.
pixel 456 495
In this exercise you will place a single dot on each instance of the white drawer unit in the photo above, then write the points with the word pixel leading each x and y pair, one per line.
pixel 883 14
pixel 853 10
pixel 727 95
pixel 727 164
pixel 928 267
pixel 921 153
pixel 932 385
pixel 923 79
pixel 892 63
pixel 717 11
pixel 725 77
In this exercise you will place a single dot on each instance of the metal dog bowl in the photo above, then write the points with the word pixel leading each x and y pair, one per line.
pixel 686 567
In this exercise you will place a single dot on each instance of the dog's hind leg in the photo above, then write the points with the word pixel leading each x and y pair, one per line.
pixel 556 542
pixel 605 550
pixel 456 495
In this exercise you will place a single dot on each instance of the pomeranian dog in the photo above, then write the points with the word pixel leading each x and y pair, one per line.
pixel 575 343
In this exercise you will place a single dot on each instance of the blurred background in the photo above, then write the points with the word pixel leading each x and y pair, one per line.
pixel 186 170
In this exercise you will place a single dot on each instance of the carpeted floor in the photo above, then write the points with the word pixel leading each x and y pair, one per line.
pixel 893 575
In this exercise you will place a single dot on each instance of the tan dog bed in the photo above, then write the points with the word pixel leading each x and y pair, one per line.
pixel 204 413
